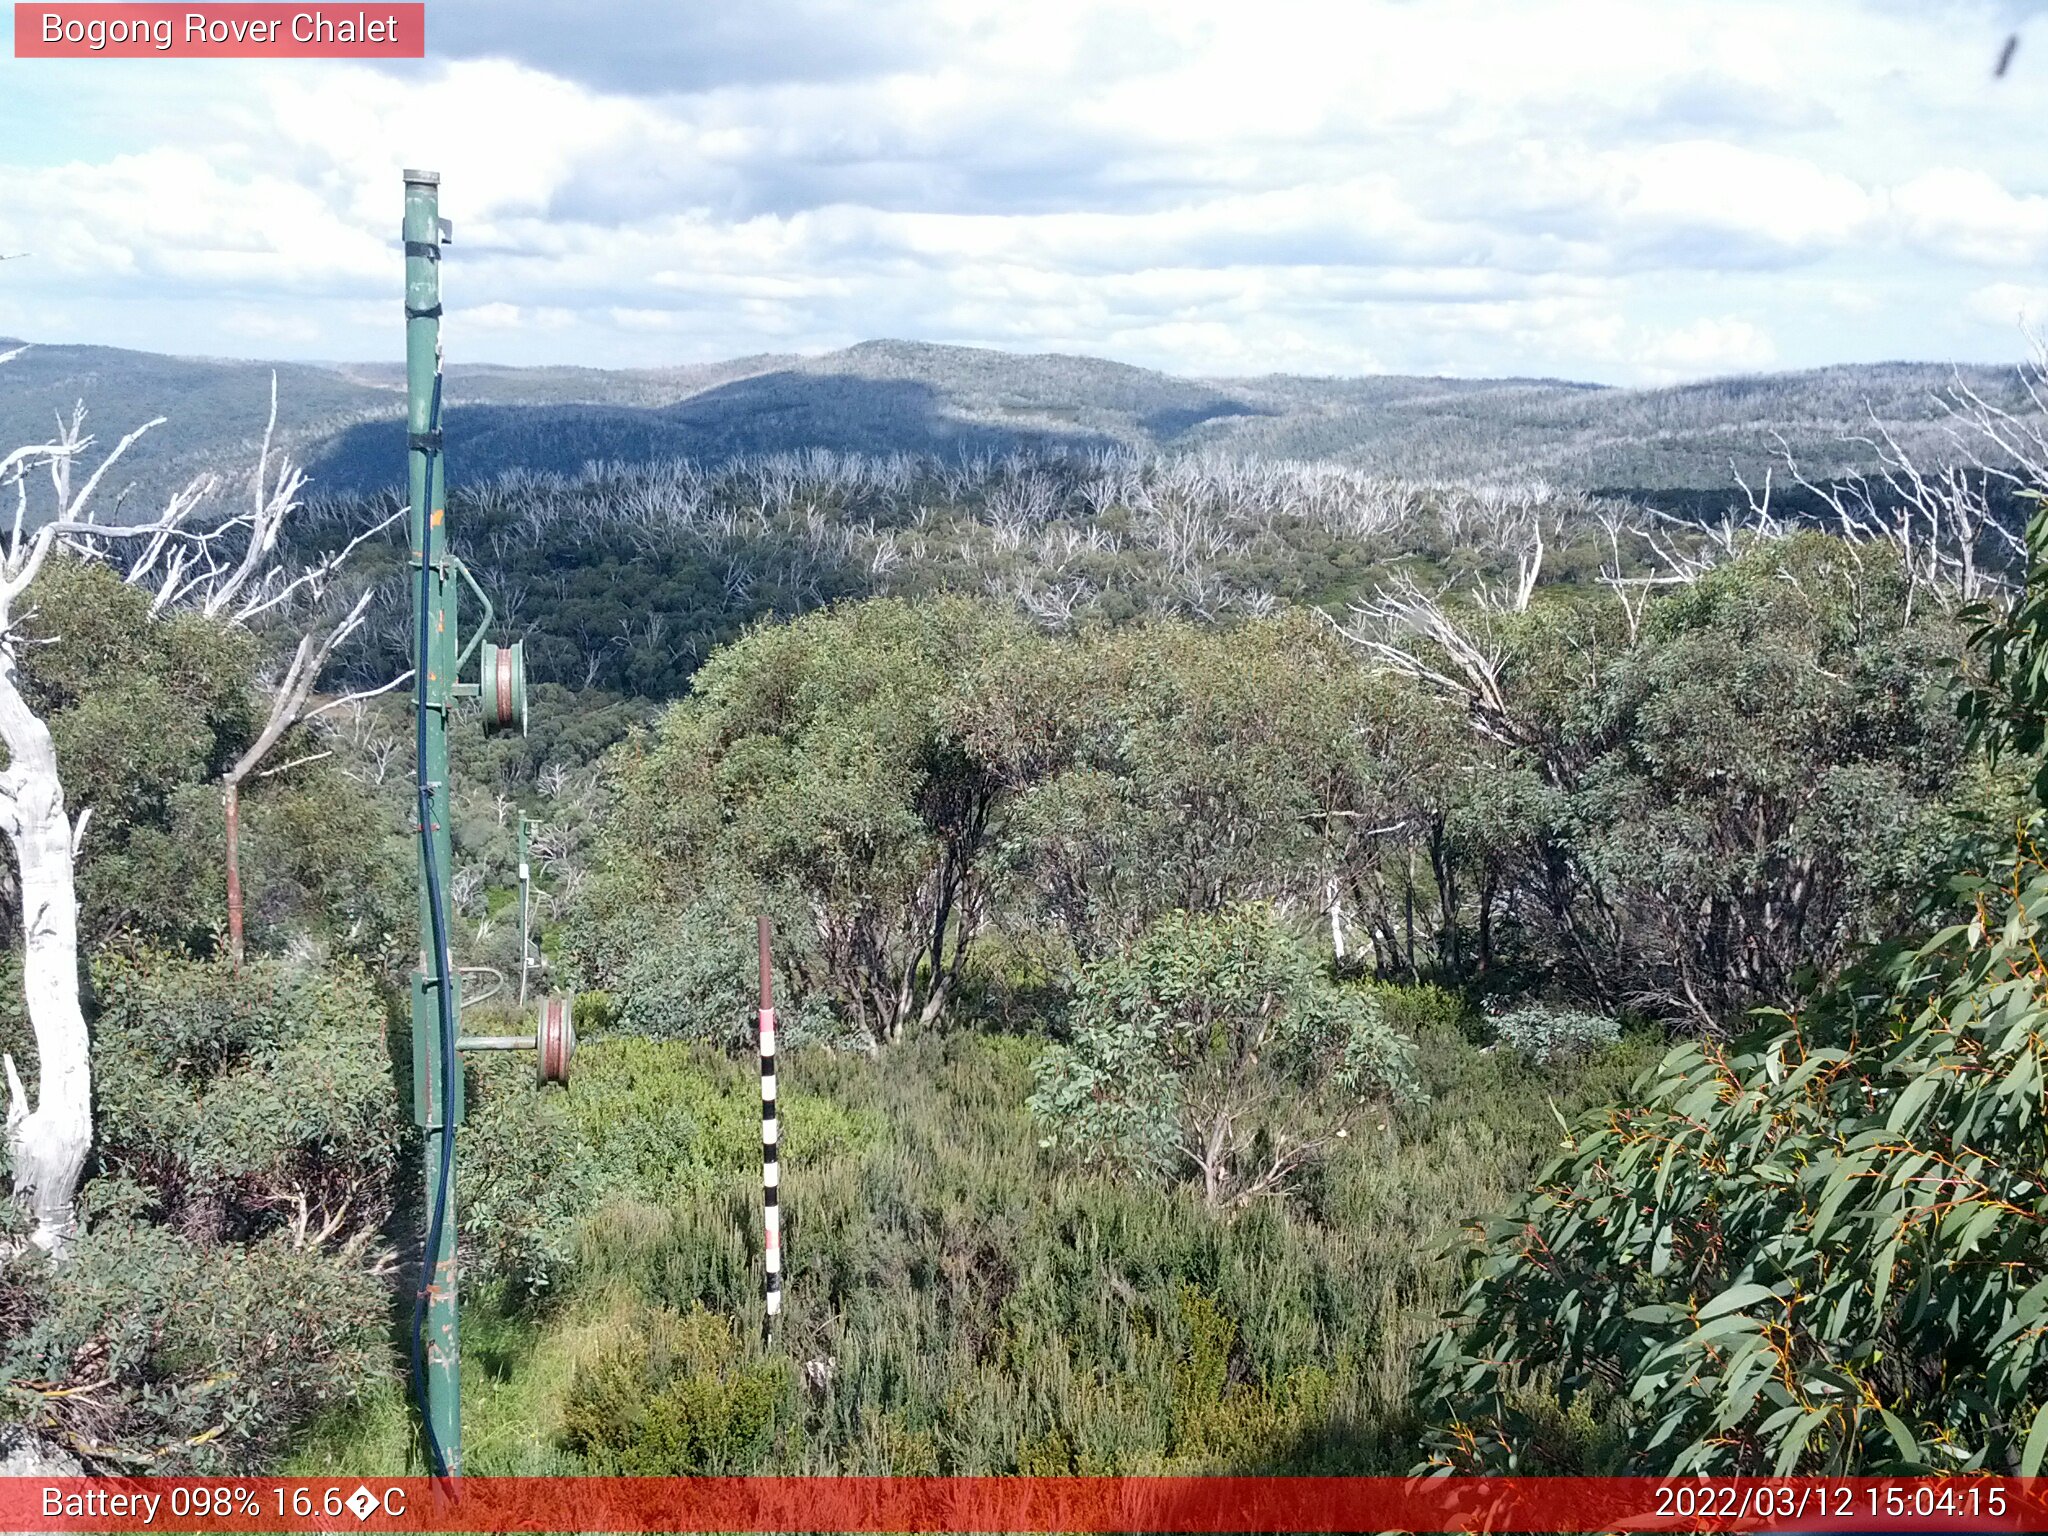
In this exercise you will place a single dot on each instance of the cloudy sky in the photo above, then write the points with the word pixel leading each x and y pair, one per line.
pixel 1618 190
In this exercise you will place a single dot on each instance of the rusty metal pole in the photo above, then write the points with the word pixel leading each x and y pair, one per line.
pixel 231 801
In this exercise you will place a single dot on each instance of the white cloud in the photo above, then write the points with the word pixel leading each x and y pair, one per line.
pixel 1708 346
pixel 508 317
pixel 1703 187
pixel 1589 187
pixel 1965 214
pixel 2011 306
pixel 173 215
pixel 272 327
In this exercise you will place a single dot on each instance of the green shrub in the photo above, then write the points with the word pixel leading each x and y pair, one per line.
pixel 1216 1047
pixel 958 1301
pixel 546 1173
pixel 683 972
pixel 662 1119
pixel 524 1176
pixel 204 1357
pixel 674 1394
pixel 1813 1250
pixel 1219 1416
pixel 326 857
pixel 1423 1009
pixel 226 1287
pixel 596 1011
pixel 243 1103
pixel 1547 1034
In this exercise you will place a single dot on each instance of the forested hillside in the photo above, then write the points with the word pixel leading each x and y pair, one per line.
pixel 1204 887
pixel 890 397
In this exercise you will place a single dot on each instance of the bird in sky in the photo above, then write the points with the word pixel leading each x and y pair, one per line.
pixel 2012 45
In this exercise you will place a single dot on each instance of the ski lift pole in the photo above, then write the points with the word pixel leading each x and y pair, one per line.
pixel 438 659
pixel 437 1075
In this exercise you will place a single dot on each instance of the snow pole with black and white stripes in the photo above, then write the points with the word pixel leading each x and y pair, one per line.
pixel 771 1133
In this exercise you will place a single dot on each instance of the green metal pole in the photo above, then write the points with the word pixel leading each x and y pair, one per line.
pixel 434 679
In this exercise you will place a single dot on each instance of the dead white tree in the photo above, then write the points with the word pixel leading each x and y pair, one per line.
pixel 1525 534
pixel 48 1142
pixel 1410 632
pixel 224 568
pixel 210 578
pixel 371 749
pixel 1939 518
pixel 1614 573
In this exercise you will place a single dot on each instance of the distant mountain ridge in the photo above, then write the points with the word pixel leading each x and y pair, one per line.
pixel 343 420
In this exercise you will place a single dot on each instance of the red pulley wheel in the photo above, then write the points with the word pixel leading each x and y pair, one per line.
pixel 555 1039
pixel 503 687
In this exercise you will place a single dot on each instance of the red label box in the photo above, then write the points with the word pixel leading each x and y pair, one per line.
pixel 364 29
pixel 1641 1506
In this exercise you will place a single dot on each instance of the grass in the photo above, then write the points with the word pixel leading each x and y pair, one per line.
pixel 516 1371
pixel 959 1302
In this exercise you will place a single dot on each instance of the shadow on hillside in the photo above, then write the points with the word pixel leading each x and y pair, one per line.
pixel 1172 421
pixel 769 413
pixel 1795 504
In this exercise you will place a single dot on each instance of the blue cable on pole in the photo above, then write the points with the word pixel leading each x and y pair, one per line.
pixel 443 991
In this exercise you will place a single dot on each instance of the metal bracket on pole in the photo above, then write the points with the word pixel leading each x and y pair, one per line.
pixel 426 1057
pixel 482 625
pixel 553 1040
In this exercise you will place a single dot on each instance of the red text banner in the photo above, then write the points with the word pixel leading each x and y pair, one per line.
pixel 221 31
pixel 1078 1504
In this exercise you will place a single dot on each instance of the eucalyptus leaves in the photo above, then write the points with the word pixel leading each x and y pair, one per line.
pixel 1823 1248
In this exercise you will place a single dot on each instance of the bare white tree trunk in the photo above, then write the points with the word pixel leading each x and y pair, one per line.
pixel 48 1144
pixel 190 567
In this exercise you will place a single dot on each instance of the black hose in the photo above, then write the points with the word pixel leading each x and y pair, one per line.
pixel 443 993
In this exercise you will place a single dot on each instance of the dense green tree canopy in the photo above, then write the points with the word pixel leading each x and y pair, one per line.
pixel 1679 816
pixel 145 712
pixel 818 766
pixel 1201 767
pixel 1817 1248
pixel 1216 1049
pixel 1684 810
pixel 1762 774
